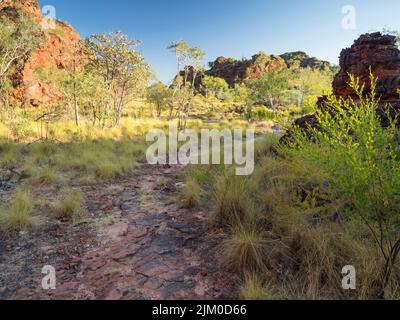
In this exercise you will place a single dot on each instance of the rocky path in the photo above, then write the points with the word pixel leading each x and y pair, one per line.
pixel 144 246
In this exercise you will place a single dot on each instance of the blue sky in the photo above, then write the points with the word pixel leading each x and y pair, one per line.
pixel 232 28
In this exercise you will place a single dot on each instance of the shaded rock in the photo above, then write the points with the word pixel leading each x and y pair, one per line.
pixel 378 52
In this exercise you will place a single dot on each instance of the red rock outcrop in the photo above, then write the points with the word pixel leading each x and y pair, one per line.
pixel 236 71
pixel 30 7
pixel 58 50
pixel 378 53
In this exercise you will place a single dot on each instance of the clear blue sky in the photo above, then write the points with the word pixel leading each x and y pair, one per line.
pixel 233 28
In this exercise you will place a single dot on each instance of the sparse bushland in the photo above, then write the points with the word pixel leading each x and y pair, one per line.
pixel 316 205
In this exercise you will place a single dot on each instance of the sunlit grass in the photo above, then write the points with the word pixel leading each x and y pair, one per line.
pixel 18 215
pixel 69 205
pixel 254 289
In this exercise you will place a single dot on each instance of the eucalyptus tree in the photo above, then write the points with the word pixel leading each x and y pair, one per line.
pixel 188 58
pixel 159 94
pixel 115 57
pixel 270 86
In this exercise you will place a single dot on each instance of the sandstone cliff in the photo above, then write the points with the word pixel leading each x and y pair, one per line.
pixel 58 50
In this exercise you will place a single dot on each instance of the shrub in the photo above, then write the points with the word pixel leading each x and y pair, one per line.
pixel 231 198
pixel 360 159
pixel 253 289
pixel 243 249
pixel 69 206
pixel 191 193
pixel 263 113
pixel 18 215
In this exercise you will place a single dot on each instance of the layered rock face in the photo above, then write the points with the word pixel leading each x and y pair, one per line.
pixel 378 53
pixel 58 50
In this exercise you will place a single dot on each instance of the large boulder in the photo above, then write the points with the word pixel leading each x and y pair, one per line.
pixel 374 53
pixel 378 52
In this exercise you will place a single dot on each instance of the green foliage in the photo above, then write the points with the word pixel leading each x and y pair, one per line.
pixel 160 95
pixel 17 38
pixel 360 159
pixel 190 59
pixel 270 86
pixel 262 113
pixel 122 67
pixel 215 86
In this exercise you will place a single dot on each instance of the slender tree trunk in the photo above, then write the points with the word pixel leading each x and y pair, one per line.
pixel 271 101
pixel 76 107
pixel 120 107
pixel 300 99
pixel 191 97
pixel 76 111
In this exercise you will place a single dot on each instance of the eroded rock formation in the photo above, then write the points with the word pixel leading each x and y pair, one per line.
pixel 378 52
pixel 370 52
pixel 58 50
pixel 303 60
pixel 236 71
